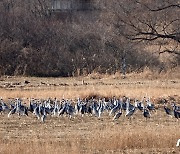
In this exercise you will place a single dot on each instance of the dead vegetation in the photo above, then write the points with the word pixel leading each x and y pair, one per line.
pixel 34 43
pixel 97 85
pixel 88 134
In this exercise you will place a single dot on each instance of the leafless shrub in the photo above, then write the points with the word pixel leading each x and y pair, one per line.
pixel 34 42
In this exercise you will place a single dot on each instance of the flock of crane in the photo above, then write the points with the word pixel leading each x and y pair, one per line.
pixel 94 107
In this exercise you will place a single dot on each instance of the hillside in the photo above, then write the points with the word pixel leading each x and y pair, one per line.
pixel 112 37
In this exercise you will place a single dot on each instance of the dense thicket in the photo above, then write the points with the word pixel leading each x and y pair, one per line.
pixel 36 43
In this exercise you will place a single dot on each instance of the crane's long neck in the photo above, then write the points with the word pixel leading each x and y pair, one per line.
pixel 127 106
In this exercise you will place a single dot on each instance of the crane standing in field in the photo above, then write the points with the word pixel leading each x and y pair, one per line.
pixel 42 109
pixel 146 113
pixel 117 115
pixel 168 111
pixel 130 109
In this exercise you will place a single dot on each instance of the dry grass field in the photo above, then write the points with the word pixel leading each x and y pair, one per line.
pixel 88 134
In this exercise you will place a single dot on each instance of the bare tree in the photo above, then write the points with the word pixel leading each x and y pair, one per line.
pixel 32 42
pixel 150 21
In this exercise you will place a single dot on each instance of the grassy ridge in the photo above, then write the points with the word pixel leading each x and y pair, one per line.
pixel 107 86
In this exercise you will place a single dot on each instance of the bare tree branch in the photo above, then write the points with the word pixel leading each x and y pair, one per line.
pixel 170 51
pixel 166 7
pixel 159 8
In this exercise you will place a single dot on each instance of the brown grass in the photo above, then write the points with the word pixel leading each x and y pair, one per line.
pixel 89 134
pixel 107 86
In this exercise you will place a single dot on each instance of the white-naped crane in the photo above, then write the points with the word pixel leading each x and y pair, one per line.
pixel 13 111
pixel 146 113
pixel 100 109
pixel 36 112
pixel 94 110
pixel 4 107
pixel 168 111
pixel 138 104
pixel 129 113
pixel 18 108
pixel 129 110
pixel 115 108
pixel 77 106
pixel 117 115
pixel 70 110
pixel 176 112
pixel 43 117
pixel 82 109
pixel 150 106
